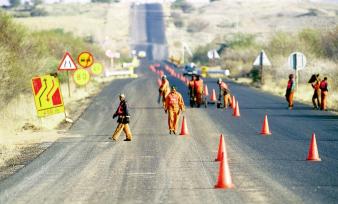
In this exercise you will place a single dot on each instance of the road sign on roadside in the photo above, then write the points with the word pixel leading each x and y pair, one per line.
pixel 67 63
pixel 85 59
pixel 47 95
pixel 213 54
pixel 262 60
pixel 97 68
pixel 297 61
pixel 81 77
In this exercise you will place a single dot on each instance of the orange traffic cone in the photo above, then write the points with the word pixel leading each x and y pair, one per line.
pixel 236 110
pixel 265 128
pixel 206 92
pixel 313 151
pixel 159 82
pixel 213 96
pixel 224 178
pixel 233 102
pixel 220 148
pixel 184 127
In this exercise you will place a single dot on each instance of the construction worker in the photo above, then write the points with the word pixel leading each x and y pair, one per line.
pixel 225 92
pixel 316 91
pixel 174 104
pixel 324 88
pixel 198 88
pixel 191 86
pixel 164 89
pixel 123 120
pixel 290 89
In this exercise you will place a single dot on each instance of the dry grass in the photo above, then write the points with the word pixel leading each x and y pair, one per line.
pixel 259 17
pixel 108 24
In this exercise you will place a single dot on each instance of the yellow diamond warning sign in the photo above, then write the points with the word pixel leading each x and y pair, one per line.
pixel 81 77
pixel 47 95
pixel 85 59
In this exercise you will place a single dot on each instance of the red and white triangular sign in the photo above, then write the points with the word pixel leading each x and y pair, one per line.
pixel 67 63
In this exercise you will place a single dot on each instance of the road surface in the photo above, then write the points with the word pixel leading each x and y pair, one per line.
pixel 155 167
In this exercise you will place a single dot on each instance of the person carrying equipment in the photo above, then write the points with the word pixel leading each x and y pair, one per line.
pixel 290 90
pixel 164 90
pixel 198 88
pixel 225 92
pixel 123 120
pixel 191 86
pixel 174 104
pixel 324 88
pixel 315 83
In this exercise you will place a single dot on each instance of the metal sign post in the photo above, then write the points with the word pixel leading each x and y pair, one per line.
pixel 297 61
pixel 261 61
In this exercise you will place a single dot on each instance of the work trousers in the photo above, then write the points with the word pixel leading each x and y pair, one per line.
pixel 227 100
pixel 289 98
pixel 173 117
pixel 126 130
pixel 315 99
pixel 323 102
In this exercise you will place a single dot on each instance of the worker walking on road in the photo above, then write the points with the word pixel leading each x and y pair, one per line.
pixel 164 89
pixel 174 105
pixel 290 89
pixel 225 92
pixel 198 88
pixel 324 88
pixel 123 120
pixel 315 83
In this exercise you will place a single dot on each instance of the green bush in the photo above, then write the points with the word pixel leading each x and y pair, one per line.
pixel 183 5
pixel 24 54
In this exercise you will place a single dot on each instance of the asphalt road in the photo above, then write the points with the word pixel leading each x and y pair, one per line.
pixel 87 167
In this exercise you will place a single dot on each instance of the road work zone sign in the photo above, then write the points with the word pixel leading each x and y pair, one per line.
pixel 47 95
pixel 67 63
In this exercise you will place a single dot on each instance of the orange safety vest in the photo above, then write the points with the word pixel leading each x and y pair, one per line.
pixel 198 85
pixel 174 101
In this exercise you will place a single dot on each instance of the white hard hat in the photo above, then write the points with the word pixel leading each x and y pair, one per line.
pixel 219 80
pixel 164 77
pixel 122 95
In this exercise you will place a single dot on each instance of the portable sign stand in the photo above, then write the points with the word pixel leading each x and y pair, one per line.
pixel 67 64
pixel 297 61
pixel 47 95
pixel 261 61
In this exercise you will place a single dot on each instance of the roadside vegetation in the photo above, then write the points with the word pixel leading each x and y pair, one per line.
pixel 320 48
pixel 24 54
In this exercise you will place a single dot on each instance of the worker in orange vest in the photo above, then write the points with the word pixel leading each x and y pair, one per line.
pixel 225 92
pixel 290 90
pixel 316 92
pixel 191 86
pixel 174 105
pixel 198 88
pixel 164 89
pixel 324 88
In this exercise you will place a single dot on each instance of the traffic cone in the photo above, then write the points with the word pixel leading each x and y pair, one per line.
pixel 224 177
pixel 265 128
pixel 236 110
pixel 184 127
pixel 313 151
pixel 206 92
pixel 233 102
pixel 213 96
pixel 220 148
pixel 159 82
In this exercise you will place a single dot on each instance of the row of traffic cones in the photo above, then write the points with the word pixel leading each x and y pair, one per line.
pixel 224 180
